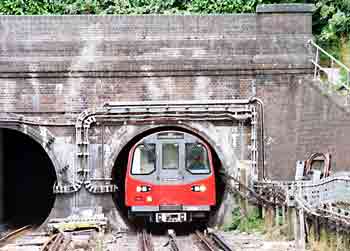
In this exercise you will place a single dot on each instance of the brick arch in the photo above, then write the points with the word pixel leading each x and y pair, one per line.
pixel 142 130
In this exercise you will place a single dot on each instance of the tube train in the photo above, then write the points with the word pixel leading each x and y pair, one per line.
pixel 170 178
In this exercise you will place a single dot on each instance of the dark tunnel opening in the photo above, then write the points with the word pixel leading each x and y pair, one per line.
pixel 119 172
pixel 28 178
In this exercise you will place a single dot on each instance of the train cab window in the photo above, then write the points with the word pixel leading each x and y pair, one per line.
pixel 144 159
pixel 197 159
pixel 170 156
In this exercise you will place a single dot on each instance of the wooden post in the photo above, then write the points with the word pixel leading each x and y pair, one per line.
pixel 269 218
pixel 284 208
pixel 323 242
pixel 340 243
pixel 311 235
pixel 332 240
pixel 346 240
pixel 243 180
pixel 301 230
pixel 316 223
pixel 291 223
pixel 243 200
pixel 277 215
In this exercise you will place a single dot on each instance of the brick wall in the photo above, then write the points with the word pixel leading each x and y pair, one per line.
pixel 302 119
pixel 54 67
pixel 70 63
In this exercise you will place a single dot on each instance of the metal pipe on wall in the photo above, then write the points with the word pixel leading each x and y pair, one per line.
pixel 262 148
pixel 147 111
pixel 2 173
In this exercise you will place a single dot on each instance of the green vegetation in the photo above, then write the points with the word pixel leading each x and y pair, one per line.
pixel 100 7
pixel 331 25
pixel 246 223
pixel 331 20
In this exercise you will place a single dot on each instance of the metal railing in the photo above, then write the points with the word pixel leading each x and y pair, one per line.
pixel 322 198
pixel 334 63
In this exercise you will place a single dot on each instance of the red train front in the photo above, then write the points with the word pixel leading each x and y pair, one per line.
pixel 170 178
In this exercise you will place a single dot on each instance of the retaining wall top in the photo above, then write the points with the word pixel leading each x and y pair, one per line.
pixel 156 42
pixel 285 8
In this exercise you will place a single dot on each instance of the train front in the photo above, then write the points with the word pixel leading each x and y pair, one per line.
pixel 170 178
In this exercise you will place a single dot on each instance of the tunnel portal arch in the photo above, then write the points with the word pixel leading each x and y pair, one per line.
pixel 28 166
pixel 145 130
pixel 120 155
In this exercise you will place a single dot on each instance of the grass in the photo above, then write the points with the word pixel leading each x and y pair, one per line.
pixel 251 222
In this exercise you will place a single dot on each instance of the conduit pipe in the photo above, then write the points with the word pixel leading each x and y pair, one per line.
pixel 153 110
pixel 261 104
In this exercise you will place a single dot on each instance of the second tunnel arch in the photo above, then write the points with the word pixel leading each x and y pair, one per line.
pixel 28 196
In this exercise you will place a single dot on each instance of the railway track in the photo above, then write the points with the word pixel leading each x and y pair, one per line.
pixel 203 242
pixel 210 241
pixel 219 241
pixel 57 242
pixel 173 245
pixel 146 243
pixel 14 234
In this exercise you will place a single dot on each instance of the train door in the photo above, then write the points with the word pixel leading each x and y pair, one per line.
pixel 171 172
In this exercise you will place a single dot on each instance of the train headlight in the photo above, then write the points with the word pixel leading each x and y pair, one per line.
pixel 202 188
pixel 149 199
pixel 199 188
pixel 143 189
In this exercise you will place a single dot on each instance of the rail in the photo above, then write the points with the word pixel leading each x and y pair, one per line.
pixel 204 240
pixel 172 241
pixel 14 233
pixel 318 199
pixel 57 242
pixel 313 194
pixel 344 83
pixel 146 243
pixel 219 241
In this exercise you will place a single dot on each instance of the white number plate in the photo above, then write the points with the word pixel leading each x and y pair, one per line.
pixel 171 217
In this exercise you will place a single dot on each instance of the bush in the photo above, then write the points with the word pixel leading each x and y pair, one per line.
pixel 246 223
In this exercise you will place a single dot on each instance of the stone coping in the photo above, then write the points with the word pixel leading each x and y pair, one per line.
pixel 285 8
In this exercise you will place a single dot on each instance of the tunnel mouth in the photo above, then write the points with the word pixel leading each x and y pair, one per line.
pixel 28 179
pixel 119 174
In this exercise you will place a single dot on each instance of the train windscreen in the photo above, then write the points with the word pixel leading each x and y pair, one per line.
pixel 197 159
pixel 144 159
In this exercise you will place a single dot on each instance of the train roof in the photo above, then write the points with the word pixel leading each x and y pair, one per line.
pixel 170 135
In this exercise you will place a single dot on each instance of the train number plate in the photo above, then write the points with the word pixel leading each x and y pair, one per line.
pixel 171 217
